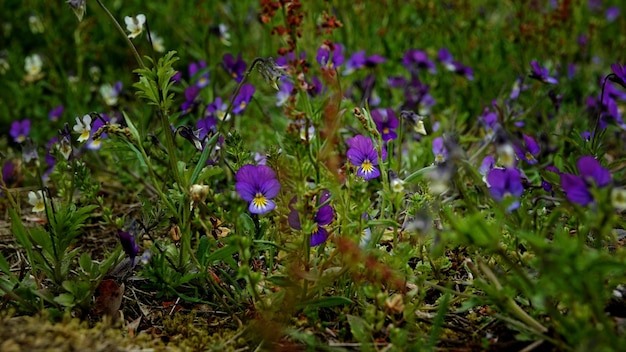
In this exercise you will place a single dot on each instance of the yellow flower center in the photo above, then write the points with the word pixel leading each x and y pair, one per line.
pixel 259 201
pixel 385 130
pixel 367 166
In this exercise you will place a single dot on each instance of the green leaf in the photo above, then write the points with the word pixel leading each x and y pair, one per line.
pixel 325 302
pixel 360 329
pixel 65 299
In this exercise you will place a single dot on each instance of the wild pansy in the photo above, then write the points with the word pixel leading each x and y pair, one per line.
pixel 56 113
pixel 83 127
pixel 190 103
pixel 79 7
pixel 135 25
pixel 157 42
pixel 592 174
pixel 257 184
pixel 20 130
pixel 486 165
pixel 33 66
pixel 446 58
pixel 110 93
pixel 358 60
pixel 36 199
pixel 329 55
pixel 129 245
pixel 528 151
pixel 324 215
pixel 235 67
pixel 206 125
pixel 198 72
pixel 505 183
pixel 415 60
pixel 284 92
pixel 95 144
pixel 363 155
pixel 417 96
pixel 386 123
pixel 439 150
pixel 243 99
pixel 541 73
pixel 612 13
pixel 619 74
pixel 217 109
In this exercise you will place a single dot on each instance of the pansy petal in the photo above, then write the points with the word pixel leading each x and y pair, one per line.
pixel 269 206
pixel 575 189
pixel 246 190
pixel 270 188
pixel 319 237
pixel 324 215
pixel 589 167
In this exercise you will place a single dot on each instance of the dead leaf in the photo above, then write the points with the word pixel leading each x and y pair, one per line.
pixel 109 298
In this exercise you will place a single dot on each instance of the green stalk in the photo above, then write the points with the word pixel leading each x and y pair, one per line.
pixel 121 30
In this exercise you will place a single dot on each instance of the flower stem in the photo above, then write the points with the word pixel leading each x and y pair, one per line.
pixel 121 30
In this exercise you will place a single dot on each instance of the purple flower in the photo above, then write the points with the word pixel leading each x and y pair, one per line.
pixel 217 109
pixel 286 88
pixel 620 74
pixel 576 188
pixel 529 151
pixel 191 93
pixel 518 87
pixel 488 163
pixel 206 125
pixel 505 183
pixel 416 60
pixel 257 184
pixel 199 72
pixel 56 113
pixel 358 60
pixel 329 55
pixel 386 123
pixel 541 73
pixel 446 58
pixel 129 245
pixel 439 150
pixel 8 172
pixel 612 13
pixel 20 130
pixel 323 216
pixel 244 97
pixel 235 68
pixel 362 154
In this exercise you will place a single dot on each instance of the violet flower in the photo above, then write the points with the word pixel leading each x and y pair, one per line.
pixel 206 125
pixel 362 154
pixel 416 60
pixel 235 67
pixel 439 150
pixel 243 99
pixel 56 113
pixel 620 74
pixel 323 216
pixel 529 151
pixel 217 109
pixel 358 60
pixel 506 183
pixel 329 55
pixel 199 72
pixel 20 130
pixel 541 73
pixel 577 188
pixel 257 184
pixel 191 93
pixel 386 123
pixel 129 245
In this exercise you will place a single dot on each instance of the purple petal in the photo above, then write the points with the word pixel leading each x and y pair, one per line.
pixel 589 167
pixel 246 190
pixel 270 188
pixel 319 237
pixel 575 189
pixel 324 215
pixel 269 206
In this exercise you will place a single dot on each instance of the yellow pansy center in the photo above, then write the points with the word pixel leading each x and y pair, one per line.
pixel 367 166
pixel 259 201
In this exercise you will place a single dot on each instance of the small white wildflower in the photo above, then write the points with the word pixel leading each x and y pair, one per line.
pixel 419 128
pixel 83 127
pixel 135 25
pixel 109 94
pixel 618 198
pixel 33 65
pixel 157 43
pixel 506 155
pixel 37 201
pixel 224 35
pixel 35 24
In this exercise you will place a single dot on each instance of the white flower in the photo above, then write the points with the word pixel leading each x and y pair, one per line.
pixel 33 65
pixel 83 127
pixel 37 201
pixel 224 35
pixel 135 25
pixel 35 24
pixel 618 198
pixel 109 94
pixel 157 43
